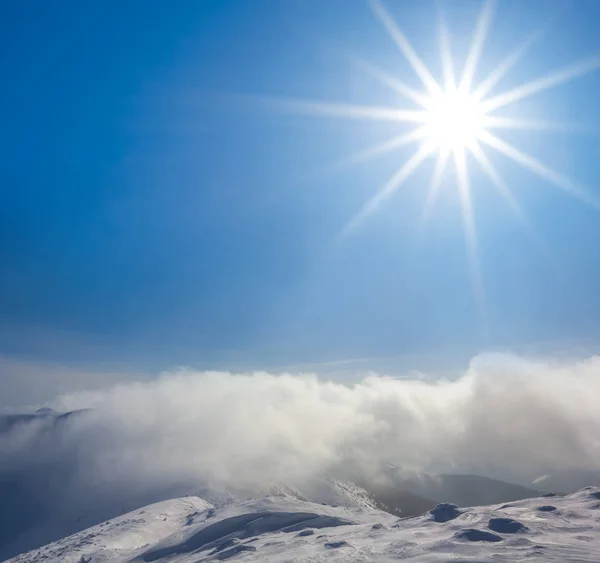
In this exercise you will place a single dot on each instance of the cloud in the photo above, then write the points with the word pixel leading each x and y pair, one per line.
pixel 504 416
pixel 503 413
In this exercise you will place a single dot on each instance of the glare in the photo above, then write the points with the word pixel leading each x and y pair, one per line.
pixel 454 120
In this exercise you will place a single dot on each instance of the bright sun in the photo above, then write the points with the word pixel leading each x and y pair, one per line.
pixel 454 120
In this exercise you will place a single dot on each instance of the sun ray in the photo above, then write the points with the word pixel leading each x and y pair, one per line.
pixel 391 82
pixel 350 111
pixel 492 122
pixel 538 168
pixel 488 167
pixel 446 55
pixel 391 186
pixel 485 87
pixel 464 190
pixel 381 149
pixel 554 79
pixel 476 47
pixel 494 176
pixel 405 47
pixel 436 182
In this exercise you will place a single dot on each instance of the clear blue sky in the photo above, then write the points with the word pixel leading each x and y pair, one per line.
pixel 151 211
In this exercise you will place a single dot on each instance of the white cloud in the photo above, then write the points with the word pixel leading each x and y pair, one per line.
pixel 503 414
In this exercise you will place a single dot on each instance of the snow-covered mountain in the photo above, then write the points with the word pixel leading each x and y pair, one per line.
pixel 285 528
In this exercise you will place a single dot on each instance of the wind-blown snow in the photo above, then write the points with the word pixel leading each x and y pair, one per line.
pixel 276 529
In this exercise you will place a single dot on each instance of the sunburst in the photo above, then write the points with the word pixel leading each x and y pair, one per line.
pixel 454 119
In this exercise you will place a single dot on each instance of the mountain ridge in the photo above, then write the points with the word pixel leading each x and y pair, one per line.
pixel 277 528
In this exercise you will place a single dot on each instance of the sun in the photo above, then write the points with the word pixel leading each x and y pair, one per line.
pixel 454 120
pixel 451 118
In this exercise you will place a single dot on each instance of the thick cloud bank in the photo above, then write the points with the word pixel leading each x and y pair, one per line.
pixel 505 416
pixel 504 413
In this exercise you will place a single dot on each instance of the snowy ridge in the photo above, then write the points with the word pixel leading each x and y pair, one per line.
pixel 283 528
pixel 108 540
pixel 332 492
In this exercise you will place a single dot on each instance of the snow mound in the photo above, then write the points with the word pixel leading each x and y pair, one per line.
pixel 473 534
pixel 444 512
pixel 506 526
pixel 337 544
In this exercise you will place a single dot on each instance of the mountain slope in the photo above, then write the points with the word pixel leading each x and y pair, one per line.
pixel 463 490
pixel 129 532
pixel 272 529
pixel 399 502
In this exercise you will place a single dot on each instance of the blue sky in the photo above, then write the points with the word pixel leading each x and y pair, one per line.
pixel 156 210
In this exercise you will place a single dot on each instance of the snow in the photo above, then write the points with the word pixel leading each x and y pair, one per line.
pixel 109 540
pixel 283 527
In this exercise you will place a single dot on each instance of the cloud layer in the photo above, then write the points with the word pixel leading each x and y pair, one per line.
pixel 504 413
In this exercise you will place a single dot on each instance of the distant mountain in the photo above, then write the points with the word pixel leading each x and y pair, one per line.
pixel 567 481
pixel 462 490
pixel 45 418
pixel 410 494
pixel 400 502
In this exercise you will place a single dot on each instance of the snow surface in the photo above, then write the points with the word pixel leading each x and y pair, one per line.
pixel 286 528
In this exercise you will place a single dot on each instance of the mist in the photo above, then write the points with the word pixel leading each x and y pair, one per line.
pixel 185 430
